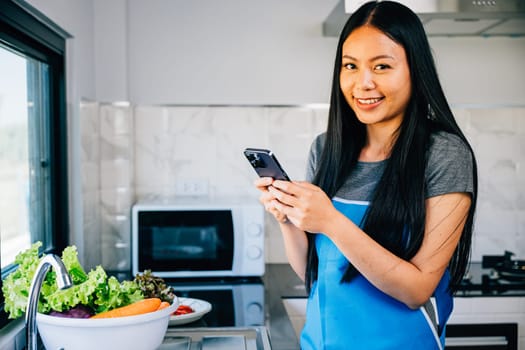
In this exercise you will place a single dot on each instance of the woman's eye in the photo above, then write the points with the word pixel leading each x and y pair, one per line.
pixel 382 66
pixel 349 66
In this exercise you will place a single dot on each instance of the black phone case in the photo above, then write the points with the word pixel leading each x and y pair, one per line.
pixel 265 163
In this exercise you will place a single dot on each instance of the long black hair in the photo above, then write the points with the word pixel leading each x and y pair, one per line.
pixel 398 205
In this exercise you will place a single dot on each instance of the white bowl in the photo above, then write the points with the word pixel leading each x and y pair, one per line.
pixel 141 332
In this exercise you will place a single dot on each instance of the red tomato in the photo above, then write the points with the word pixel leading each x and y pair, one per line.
pixel 183 310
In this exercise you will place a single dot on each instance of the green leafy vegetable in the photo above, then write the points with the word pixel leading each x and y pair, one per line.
pixel 114 294
pixel 16 285
pixel 94 289
pixel 75 270
pixel 154 287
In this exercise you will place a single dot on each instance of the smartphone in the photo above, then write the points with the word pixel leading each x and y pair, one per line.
pixel 265 163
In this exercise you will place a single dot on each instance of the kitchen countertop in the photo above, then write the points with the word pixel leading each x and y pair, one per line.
pixel 281 282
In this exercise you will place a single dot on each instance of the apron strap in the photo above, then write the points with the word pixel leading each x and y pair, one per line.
pixel 431 312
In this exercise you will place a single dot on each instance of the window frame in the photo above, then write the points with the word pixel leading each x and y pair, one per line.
pixel 25 30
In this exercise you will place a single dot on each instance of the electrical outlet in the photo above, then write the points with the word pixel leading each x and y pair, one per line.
pixel 193 187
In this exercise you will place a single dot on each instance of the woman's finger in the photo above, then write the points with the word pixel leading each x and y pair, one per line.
pixel 263 182
pixel 282 197
pixel 265 198
pixel 294 187
pixel 279 216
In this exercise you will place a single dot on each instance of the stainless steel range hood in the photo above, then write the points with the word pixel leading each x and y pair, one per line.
pixel 449 17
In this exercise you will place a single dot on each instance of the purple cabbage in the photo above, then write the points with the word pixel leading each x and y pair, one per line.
pixel 79 311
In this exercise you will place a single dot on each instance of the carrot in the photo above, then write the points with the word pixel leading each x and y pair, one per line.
pixel 163 305
pixel 137 308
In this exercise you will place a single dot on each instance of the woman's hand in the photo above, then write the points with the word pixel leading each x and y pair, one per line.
pixel 295 239
pixel 305 205
pixel 268 200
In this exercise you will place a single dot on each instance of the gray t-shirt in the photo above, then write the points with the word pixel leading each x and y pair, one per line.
pixel 449 169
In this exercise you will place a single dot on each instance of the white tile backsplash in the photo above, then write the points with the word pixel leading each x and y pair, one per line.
pixel 90 172
pixel 117 201
pixel 108 157
pixel 502 121
pixel 115 241
pixel 291 134
pixel 115 120
pixel 159 149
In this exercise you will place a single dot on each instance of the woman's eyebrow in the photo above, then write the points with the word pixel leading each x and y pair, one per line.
pixel 375 58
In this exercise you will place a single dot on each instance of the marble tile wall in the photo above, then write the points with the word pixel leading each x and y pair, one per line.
pixel 117 160
pixel 160 150
pixel 90 162
pixel 498 139
pixel 177 145
pixel 108 185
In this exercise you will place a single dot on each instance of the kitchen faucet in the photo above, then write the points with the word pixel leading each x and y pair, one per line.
pixel 63 282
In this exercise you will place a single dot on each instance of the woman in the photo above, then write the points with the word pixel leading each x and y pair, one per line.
pixel 381 233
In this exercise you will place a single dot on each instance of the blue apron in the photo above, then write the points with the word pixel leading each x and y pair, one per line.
pixel 357 315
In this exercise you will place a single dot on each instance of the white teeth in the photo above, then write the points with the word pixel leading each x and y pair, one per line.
pixel 368 101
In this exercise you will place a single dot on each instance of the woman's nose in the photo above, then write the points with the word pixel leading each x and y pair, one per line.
pixel 365 80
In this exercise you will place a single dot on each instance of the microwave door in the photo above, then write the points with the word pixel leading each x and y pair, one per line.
pixel 186 243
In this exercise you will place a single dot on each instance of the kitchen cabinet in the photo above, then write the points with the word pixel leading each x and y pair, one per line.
pixel 491 310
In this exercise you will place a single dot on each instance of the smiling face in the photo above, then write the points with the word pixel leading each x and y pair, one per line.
pixel 375 77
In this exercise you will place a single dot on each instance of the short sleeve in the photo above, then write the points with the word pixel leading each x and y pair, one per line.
pixel 313 156
pixel 449 166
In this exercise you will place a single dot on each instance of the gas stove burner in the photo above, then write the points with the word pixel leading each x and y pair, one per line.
pixel 504 267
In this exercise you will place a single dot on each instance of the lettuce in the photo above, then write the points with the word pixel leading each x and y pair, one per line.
pixel 93 289
pixel 75 270
pixel 114 294
pixel 16 285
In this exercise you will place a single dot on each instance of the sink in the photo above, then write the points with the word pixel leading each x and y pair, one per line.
pixel 220 338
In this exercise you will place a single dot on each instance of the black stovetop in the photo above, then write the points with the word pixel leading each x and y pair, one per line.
pixel 486 281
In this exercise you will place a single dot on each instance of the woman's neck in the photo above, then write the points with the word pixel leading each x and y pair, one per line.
pixel 378 145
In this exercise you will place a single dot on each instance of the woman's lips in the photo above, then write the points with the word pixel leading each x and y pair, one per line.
pixel 368 103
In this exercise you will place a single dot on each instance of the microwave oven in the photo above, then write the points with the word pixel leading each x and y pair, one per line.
pixel 194 237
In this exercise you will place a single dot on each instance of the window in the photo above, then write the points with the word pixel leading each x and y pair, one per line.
pixel 33 138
